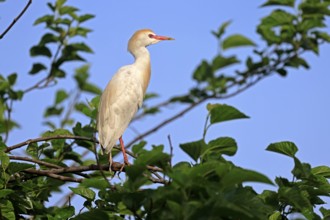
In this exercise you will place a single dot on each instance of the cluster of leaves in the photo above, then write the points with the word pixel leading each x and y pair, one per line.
pixel 210 187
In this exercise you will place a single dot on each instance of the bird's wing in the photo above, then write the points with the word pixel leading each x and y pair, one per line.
pixel 118 105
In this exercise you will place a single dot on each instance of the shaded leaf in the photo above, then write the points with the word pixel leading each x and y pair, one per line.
pixel 5 192
pixel 193 149
pixel 236 40
pixel 285 147
pixel 238 175
pixel 15 167
pixel 12 78
pixel 94 214
pixel 36 68
pixel 40 51
pixel 203 72
pixel 221 29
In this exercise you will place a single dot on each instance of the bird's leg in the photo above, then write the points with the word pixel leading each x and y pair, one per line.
pixel 123 150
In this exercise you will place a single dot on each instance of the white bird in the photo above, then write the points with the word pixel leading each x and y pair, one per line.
pixel 125 92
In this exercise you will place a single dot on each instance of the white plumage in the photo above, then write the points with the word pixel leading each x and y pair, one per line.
pixel 124 93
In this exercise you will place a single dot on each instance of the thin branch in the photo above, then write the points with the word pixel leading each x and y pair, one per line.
pixel 35 140
pixel 16 19
pixel 40 162
pixel 167 121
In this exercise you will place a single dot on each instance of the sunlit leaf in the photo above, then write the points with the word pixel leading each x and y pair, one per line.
pixel 61 95
pixel 236 40
pixel 84 192
pixel 321 171
pixel 279 2
pixel 221 61
pixel 285 147
pixel 222 145
pixel 223 112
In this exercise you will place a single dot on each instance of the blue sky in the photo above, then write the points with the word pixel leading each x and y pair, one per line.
pixel 295 108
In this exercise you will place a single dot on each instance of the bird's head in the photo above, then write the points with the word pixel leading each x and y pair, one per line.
pixel 144 38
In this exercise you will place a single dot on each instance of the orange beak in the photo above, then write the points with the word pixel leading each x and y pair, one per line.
pixel 158 37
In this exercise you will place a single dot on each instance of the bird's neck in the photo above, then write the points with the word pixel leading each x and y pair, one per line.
pixel 142 63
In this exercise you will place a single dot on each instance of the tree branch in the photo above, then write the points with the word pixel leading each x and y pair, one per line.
pixel 16 19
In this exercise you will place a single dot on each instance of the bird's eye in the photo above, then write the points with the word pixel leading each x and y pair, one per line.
pixel 151 35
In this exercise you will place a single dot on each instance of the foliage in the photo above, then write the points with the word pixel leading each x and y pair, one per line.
pixel 209 186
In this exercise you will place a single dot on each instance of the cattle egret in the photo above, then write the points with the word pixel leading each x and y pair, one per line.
pixel 124 93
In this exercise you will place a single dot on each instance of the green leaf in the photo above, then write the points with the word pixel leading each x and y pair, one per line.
pixel 4 159
pixel 56 132
pixel 275 216
pixel 282 72
pixel 84 192
pixel 137 148
pixel 88 87
pixel 236 40
pixel 297 62
pixel 5 192
pixel 223 112
pixel 221 29
pixel 279 2
pixel 64 212
pixel 94 214
pixel 81 47
pixel 321 171
pixel 325 212
pixel 203 72
pixel 36 68
pixel 193 149
pixel 238 175
pixel 7 210
pixel 301 170
pixel 40 51
pixel 278 18
pixel 61 95
pixel 222 145
pixel 221 62
pixel 95 182
pixel 12 78
pixel 85 17
pixel 15 167
pixel 48 38
pixel 67 10
pixel 51 111
pixel 48 19
pixel 285 147
pixel 60 3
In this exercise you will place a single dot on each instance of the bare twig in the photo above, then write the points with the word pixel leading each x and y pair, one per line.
pixel 16 19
